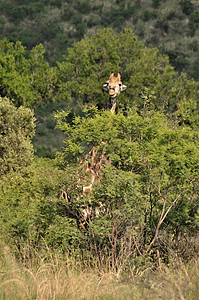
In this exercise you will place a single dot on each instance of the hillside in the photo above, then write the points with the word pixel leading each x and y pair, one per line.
pixel 172 26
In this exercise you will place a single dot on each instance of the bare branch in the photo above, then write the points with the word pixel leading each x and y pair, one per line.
pixel 163 213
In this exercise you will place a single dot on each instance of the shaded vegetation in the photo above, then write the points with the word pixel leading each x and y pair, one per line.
pixel 16 132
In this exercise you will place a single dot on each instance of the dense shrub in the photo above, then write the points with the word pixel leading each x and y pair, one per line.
pixel 147 15
pixel 196 68
pixel 27 79
pixel 145 192
pixel 68 13
pixel 16 131
pixel 29 215
pixel 156 3
pixel 149 188
pixel 83 7
pixel 178 59
pixel 187 6
pixel 194 21
pixel 146 73
pixel 194 46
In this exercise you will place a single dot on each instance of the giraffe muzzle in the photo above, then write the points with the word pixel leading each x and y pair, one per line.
pixel 112 94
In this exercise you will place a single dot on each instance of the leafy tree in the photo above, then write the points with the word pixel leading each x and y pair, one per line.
pixel 150 190
pixel 28 81
pixel 29 216
pixel 187 6
pixel 196 68
pixel 152 144
pixel 43 77
pixel 151 81
pixel 16 131
pixel 194 21
pixel 156 3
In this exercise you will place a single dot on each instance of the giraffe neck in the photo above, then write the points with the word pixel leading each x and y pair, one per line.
pixel 113 104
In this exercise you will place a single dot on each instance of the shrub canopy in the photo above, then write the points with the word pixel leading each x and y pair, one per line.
pixel 151 81
pixel 17 128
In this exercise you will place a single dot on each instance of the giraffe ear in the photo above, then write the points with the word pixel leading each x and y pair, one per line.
pixel 123 87
pixel 105 87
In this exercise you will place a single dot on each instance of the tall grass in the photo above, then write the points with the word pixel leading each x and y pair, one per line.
pixel 63 278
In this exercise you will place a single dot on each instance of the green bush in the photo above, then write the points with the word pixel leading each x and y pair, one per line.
pixel 178 59
pixel 30 37
pixel 27 79
pixel 17 129
pixel 83 7
pixel 76 18
pixel 162 25
pixel 68 13
pixel 49 30
pixel 57 3
pixel 194 21
pixel 145 72
pixel 187 6
pixel 194 46
pixel 29 214
pixel 196 69
pixel 80 28
pixel 146 15
pixel 153 174
pixel 171 15
pixel 156 3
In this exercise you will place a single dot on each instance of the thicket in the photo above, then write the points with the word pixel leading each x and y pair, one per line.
pixel 16 132
pixel 150 190
pixel 25 76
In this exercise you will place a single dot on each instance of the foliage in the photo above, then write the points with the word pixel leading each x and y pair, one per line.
pixel 147 189
pixel 196 68
pixel 47 139
pixel 151 81
pixel 29 212
pixel 156 3
pixel 187 6
pixel 28 81
pixel 16 131
pixel 58 24
pixel 194 21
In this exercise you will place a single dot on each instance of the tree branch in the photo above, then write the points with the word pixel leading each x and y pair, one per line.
pixel 163 215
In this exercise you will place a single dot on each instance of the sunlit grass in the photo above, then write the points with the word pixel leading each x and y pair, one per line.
pixel 62 278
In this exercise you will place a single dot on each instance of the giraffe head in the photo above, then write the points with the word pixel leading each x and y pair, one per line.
pixel 114 86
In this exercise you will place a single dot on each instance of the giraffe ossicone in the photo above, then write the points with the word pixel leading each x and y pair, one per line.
pixel 113 87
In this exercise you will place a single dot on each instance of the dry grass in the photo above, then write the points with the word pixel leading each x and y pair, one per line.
pixel 64 279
